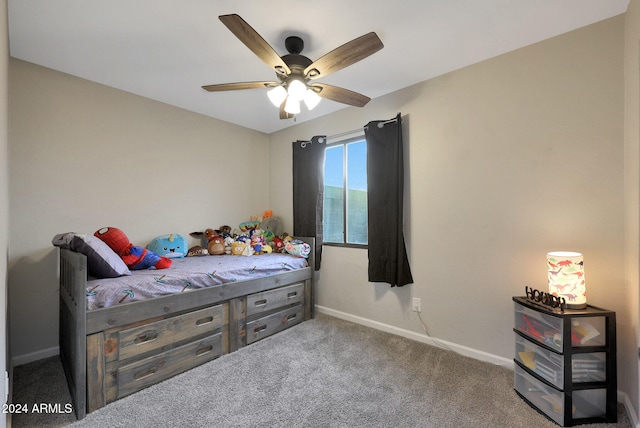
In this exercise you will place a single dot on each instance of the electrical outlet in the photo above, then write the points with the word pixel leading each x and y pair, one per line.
pixel 415 304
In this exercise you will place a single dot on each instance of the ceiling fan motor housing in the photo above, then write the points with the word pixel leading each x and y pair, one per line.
pixel 294 44
pixel 297 63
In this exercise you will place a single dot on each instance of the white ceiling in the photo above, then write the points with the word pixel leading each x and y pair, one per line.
pixel 167 49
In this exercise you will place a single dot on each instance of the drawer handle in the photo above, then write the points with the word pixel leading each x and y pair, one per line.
pixel 291 316
pixel 203 350
pixel 145 373
pixel 146 337
pixel 292 294
pixel 261 302
pixel 259 328
pixel 205 320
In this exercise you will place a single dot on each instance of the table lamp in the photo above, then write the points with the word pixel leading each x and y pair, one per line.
pixel 565 270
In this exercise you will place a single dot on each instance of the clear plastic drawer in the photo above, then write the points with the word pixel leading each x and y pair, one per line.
pixel 547 399
pixel 587 403
pixel 539 327
pixel 588 367
pixel 588 331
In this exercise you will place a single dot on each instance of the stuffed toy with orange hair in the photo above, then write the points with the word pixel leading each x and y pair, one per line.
pixel 134 257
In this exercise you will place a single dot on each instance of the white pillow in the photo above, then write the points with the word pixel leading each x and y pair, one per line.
pixel 102 261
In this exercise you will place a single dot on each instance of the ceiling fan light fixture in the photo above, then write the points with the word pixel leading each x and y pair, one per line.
pixel 311 99
pixel 277 95
pixel 292 105
pixel 296 89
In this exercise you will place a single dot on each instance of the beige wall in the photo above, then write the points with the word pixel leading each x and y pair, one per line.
pixel 506 160
pixel 632 193
pixel 85 156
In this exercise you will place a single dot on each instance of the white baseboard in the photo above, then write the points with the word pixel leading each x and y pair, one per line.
pixel 34 356
pixel 633 418
pixel 460 349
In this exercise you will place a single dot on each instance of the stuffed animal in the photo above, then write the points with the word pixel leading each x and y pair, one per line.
pixel 228 243
pixel 257 243
pixel 240 248
pixel 134 257
pixel 216 245
pixel 171 246
pixel 272 227
pixel 278 244
pixel 297 248
pixel 197 250
pixel 213 241
pixel 225 231
pixel 248 226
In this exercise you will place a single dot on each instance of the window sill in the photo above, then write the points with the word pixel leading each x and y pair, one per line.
pixel 335 244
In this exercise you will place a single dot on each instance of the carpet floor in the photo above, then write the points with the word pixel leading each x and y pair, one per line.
pixel 325 372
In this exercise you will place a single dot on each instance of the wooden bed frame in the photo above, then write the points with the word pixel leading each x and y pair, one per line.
pixel 112 352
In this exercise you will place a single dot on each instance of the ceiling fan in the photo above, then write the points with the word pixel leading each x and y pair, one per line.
pixel 296 72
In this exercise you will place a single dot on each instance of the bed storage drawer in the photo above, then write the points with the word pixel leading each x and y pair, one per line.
pixel 141 339
pixel 140 374
pixel 266 326
pixel 268 300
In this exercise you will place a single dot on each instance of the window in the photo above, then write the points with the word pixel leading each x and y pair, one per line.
pixel 345 192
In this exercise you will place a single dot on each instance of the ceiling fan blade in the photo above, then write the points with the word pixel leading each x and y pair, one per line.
pixel 344 56
pixel 255 42
pixel 341 95
pixel 239 86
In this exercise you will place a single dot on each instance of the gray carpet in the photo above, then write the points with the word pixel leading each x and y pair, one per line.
pixel 322 373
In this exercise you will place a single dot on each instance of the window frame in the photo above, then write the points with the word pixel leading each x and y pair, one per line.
pixel 343 142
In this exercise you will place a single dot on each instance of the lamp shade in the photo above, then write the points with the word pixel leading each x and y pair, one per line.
pixel 292 106
pixel 277 95
pixel 296 89
pixel 565 270
pixel 311 99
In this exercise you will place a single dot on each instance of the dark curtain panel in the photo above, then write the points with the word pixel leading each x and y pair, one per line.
pixel 388 260
pixel 308 191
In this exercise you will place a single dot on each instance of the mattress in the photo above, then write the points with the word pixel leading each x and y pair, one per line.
pixel 186 274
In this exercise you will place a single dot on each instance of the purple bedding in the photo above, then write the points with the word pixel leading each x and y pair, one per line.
pixel 186 274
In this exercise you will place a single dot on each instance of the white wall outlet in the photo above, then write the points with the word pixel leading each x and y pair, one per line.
pixel 415 304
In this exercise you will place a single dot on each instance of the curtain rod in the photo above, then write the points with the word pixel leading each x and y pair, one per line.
pixel 355 131
pixel 303 143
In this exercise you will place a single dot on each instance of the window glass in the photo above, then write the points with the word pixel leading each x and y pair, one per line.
pixel 345 192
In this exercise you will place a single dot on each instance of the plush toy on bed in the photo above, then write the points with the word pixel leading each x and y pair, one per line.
pixel 278 245
pixel 197 251
pixel 258 244
pixel 134 257
pixel 171 246
pixel 211 239
pixel 272 227
pixel 297 248
pixel 225 231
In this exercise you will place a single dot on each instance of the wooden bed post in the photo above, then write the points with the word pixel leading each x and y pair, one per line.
pixel 237 323
pixel 73 337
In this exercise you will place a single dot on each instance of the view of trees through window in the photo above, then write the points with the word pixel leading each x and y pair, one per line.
pixel 345 192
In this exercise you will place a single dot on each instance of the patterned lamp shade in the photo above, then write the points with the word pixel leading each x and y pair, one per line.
pixel 566 278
